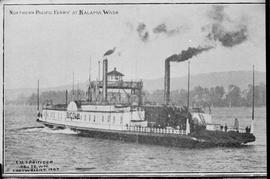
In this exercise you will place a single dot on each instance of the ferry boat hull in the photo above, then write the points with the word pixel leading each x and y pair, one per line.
pixel 202 139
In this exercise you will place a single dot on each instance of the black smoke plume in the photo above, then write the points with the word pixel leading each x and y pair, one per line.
pixel 162 28
pixel 109 52
pixel 142 32
pixel 187 54
pixel 217 31
pixel 227 39
pixel 217 13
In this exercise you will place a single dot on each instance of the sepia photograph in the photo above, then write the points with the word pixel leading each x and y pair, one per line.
pixel 157 88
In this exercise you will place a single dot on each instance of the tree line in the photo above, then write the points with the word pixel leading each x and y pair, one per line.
pixel 215 96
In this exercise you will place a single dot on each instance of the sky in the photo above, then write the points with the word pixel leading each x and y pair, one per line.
pixel 50 47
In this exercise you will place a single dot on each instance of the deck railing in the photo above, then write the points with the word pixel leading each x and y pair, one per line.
pixel 154 130
pixel 122 84
pixel 217 127
pixel 240 130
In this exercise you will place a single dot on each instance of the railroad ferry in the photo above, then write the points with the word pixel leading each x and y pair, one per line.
pixel 115 109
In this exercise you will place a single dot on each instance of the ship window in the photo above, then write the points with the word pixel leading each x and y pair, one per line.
pixel 102 118
pixel 94 118
pixel 109 117
pixel 113 119
pixel 89 117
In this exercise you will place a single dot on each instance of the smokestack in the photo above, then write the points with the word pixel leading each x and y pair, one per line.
pixel 167 82
pixel 183 56
pixel 105 71
pixel 66 98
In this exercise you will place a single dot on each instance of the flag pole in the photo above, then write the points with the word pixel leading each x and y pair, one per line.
pixel 253 101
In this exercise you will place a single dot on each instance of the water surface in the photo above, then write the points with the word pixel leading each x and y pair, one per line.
pixel 26 139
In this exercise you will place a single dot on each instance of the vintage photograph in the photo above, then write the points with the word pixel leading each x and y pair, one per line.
pixel 134 89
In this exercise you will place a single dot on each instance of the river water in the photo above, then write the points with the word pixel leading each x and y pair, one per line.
pixel 26 140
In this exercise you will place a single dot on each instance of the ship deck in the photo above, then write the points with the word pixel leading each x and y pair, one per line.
pixel 111 130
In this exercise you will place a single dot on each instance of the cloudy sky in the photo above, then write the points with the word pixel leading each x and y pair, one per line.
pixel 50 47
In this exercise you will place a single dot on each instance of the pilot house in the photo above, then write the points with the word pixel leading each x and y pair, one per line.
pixel 114 75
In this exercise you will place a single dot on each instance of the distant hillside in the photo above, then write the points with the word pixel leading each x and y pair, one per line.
pixel 207 80
pixel 12 94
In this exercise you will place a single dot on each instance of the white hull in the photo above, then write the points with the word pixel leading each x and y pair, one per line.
pixel 94 116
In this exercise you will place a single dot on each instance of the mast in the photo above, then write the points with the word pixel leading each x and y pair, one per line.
pixel 253 96
pixel 73 86
pixel 188 86
pixel 98 70
pixel 253 93
pixel 77 91
pixel 38 96
pixel 187 121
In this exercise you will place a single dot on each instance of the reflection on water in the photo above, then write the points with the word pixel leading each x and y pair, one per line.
pixel 26 139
